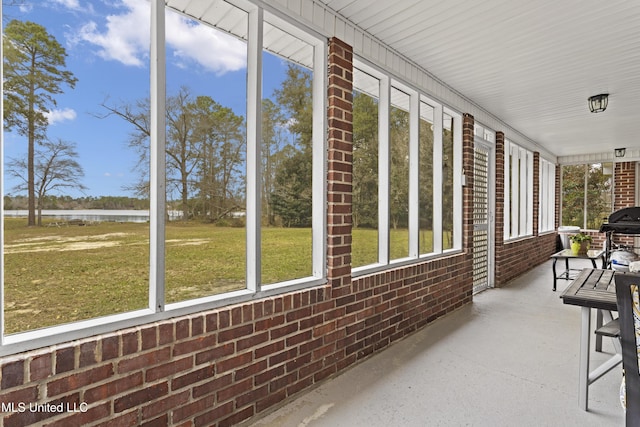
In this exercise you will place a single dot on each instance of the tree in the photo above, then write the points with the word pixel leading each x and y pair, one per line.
pixel 138 115
pixel 425 185
pixel 365 161
pixel 273 141
pixel 596 196
pixel 55 167
pixel 181 146
pixel 447 187
pixel 291 199
pixel 294 97
pixel 33 73
pixel 220 138
pixel 399 168
pixel 181 155
pixel 204 142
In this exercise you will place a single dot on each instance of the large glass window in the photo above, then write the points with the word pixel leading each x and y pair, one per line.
pixel 586 194
pixel 134 195
pixel 287 145
pixel 547 216
pixel 205 162
pixel 399 174
pixel 76 231
pixel 407 159
pixel 426 178
pixel 448 193
pixel 518 191
pixel 365 168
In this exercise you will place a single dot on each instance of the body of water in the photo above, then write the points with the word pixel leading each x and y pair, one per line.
pixel 98 215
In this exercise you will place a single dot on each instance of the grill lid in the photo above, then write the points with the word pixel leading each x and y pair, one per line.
pixel 625 220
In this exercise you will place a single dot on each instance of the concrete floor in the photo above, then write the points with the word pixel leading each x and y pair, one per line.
pixel 508 359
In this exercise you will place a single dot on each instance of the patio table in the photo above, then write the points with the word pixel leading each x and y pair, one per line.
pixel 566 255
pixel 592 289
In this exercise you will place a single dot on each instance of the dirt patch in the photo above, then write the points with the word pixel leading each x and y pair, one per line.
pixel 187 242
pixel 81 243
pixel 60 244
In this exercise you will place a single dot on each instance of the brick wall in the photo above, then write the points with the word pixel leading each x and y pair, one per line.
pixel 624 185
pixel 624 195
pixel 340 163
pixel 516 257
pixel 223 366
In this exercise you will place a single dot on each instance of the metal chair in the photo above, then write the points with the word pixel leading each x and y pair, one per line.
pixel 626 285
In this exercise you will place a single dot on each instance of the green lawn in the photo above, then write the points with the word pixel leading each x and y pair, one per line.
pixel 55 275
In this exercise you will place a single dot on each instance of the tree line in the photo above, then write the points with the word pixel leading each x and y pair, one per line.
pixel 89 202
pixel 206 145
pixel 586 186
pixel 205 141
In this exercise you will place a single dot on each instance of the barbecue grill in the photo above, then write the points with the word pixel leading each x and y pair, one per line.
pixel 623 221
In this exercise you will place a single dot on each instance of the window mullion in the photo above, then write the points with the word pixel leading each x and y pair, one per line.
pixel 414 174
pixel 319 168
pixel 457 180
pixel 254 136
pixel 384 170
pixel 157 193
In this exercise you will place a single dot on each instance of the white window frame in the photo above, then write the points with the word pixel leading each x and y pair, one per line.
pixel 158 309
pixel 416 96
pixel 518 188
pixel 547 197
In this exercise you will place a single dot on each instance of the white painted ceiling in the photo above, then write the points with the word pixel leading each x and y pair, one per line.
pixel 533 64
pixel 530 63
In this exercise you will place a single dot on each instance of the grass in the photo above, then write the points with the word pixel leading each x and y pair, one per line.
pixel 55 275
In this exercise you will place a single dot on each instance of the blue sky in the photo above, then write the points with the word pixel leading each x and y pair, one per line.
pixel 107 43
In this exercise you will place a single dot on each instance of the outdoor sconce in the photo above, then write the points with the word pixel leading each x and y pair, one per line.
pixel 620 152
pixel 598 103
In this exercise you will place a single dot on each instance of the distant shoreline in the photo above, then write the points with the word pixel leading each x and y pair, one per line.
pixel 115 215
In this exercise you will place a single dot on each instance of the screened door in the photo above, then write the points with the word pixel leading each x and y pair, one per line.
pixel 482 217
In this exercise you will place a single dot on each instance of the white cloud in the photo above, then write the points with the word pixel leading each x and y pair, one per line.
pixel 25 7
pixel 126 39
pixel 57 116
pixel 70 4
pixel 210 48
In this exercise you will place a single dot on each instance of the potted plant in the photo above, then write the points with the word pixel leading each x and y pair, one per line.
pixel 580 243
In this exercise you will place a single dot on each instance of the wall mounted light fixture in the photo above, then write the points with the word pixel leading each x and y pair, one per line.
pixel 620 152
pixel 598 103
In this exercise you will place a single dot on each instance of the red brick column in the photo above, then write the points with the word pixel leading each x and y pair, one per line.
pixel 340 163
pixel 624 186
